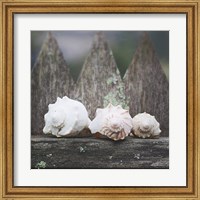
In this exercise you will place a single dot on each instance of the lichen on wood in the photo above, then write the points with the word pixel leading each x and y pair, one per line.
pixel 50 78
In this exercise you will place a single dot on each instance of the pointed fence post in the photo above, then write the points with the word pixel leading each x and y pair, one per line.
pixel 147 86
pixel 99 82
pixel 50 78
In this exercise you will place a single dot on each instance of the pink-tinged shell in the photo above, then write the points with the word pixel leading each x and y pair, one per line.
pixel 113 122
pixel 146 126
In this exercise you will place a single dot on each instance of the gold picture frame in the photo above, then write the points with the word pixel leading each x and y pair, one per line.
pixel 9 8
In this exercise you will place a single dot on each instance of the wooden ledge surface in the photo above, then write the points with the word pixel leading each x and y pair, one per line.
pixel 91 153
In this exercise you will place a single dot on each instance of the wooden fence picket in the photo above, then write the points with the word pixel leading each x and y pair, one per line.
pixel 50 78
pixel 100 82
pixel 147 85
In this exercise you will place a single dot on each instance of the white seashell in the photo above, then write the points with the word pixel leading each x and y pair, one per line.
pixel 66 117
pixel 112 121
pixel 146 126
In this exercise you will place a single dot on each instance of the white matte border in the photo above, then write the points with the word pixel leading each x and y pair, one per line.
pixel 25 176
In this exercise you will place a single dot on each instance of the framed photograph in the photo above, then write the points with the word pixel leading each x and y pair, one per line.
pixel 103 85
pixel 99 100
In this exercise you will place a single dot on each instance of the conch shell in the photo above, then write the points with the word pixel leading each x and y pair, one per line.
pixel 146 126
pixel 112 121
pixel 66 117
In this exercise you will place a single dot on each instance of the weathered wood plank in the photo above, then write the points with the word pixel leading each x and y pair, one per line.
pixel 50 78
pixel 99 82
pixel 85 153
pixel 147 86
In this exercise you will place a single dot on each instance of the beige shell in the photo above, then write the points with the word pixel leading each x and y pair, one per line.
pixel 146 126
pixel 112 121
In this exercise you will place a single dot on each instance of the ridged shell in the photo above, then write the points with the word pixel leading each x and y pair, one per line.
pixel 112 121
pixel 66 117
pixel 146 126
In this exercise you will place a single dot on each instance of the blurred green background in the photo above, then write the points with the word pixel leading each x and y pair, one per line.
pixel 75 46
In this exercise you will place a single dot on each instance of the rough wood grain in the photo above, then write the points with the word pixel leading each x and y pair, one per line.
pixel 85 153
pixel 147 86
pixel 50 78
pixel 99 82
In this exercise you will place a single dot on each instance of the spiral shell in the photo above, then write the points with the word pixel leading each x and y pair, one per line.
pixel 66 117
pixel 146 126
pixel 112 121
